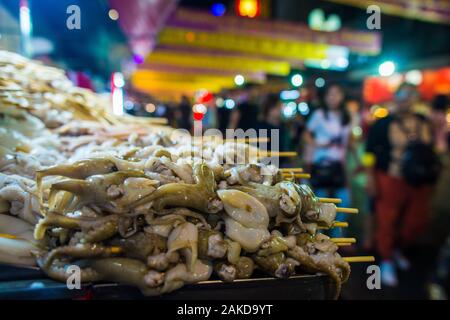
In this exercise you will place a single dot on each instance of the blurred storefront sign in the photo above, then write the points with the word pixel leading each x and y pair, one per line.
pixel 275 47
pixel 216 60
pixel 361 42
pixel 437 11
pixel 218 48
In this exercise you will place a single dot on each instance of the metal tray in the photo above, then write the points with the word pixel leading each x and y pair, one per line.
pixel 31 284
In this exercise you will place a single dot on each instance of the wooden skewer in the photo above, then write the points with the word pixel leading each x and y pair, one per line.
pixel 347 210
pixel 330 200
pixel 297 175
pixel 360 259
pixel 343 240
pixel 278 154
pixel 7 236
pixel 116 249
pixel 343 244
pixel 284 170
pixel 336 224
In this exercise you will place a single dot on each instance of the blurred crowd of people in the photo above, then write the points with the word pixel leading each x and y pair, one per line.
pixel 388 167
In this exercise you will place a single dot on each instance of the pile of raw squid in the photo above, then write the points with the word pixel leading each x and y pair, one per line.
pixel 139 205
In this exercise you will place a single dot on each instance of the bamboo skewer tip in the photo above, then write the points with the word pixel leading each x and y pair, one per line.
pixel 297 175
pixel 296 170
pixel 359 259
pixel 347 210
pixel 330 200
pixel 343 240
pixel 344 244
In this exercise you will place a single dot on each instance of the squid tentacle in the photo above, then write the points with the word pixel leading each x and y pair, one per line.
pixel 200 196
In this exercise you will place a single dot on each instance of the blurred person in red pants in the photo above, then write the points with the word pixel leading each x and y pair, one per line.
pixel 402 167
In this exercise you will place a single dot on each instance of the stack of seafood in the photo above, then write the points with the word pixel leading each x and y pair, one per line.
pixel 143 206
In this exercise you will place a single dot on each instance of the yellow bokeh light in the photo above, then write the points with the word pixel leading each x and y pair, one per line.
pixel 381 112
pixel 248 8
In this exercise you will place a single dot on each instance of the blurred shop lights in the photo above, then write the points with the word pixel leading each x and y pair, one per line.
pixel 325 64
pixel 150 107
pixel 303 108
pixel 316 18
pixel 203 96
pixel 138 58
pixel 357 131
pixel 198 116
pixel 342 62
pixel 379 111
pixel 220 102
pixel 118 80
pixel 113 14
pixel 199 108
pixel 414 77
pixel 289 94
pixel 317 21
pixel 320 82
pixel 296 80
pixel 229 104
pixel 290 109
pixel 128 105
pixel 117 101
pixel 239 80
pixel 117 84
pixel 26 28
pixel 248 8
pixel 386 69
pixel 218 9
pixel 25 18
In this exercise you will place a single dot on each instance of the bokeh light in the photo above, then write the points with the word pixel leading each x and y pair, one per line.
pixel 297 80
pixel 239 80
pixel 386 69
pixel 320 82
pixel 113 14
pixel 229 104
pixel 414 77
pixel 150 107
pixel 218 9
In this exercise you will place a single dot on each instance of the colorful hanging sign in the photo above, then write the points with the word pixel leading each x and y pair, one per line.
pixel 361 42
pixel 279 48
pixel 141 83
pixel 222 61
pixel 156 76
pixel 258 77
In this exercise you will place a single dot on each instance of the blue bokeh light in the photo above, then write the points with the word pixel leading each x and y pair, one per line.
pixel 218 9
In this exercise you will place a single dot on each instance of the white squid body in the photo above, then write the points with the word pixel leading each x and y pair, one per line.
pixel 16 241
pixel 247 219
